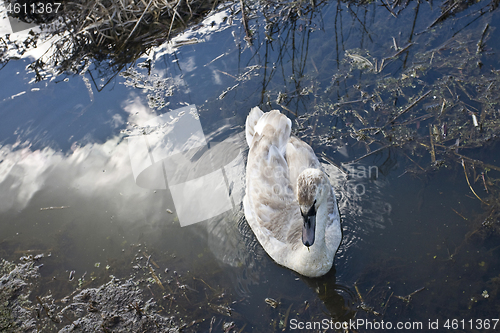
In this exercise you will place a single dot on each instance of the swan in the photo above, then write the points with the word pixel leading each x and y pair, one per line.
pixel 289 202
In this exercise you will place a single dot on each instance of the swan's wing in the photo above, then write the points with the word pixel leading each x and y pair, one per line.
pixel 252 119
pixel 299 156
pixel 258 120
pixel 270 205
pixel 333 231
pixel 281 129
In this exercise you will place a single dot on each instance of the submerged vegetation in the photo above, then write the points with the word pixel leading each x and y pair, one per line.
pixel 152 299
pixel 437 110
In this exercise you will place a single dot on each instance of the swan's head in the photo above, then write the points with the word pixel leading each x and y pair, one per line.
pixel 312 189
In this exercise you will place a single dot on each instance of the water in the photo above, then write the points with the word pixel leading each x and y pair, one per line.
pixel 412 251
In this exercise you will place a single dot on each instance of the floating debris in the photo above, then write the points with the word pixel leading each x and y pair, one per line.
pixel 54 208
pixel 360 60
pixel 474 120
pixel 272 302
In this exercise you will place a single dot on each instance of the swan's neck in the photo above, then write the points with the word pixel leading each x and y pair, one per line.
pixel 321 218
pixel 316 258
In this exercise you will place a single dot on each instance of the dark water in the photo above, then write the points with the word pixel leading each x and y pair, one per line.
pixel 411 253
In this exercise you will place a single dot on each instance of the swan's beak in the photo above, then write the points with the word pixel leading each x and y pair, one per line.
pixel 309 228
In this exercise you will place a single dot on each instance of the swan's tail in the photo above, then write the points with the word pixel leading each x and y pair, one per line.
pixel 258 120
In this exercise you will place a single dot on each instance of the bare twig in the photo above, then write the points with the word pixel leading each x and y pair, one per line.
pixel 446 12
pixel 433 151
pixel 467 178
pixel 389 9
pixel 138 21
pixel 480 43
pixel 326 158
pixel 407 298
pixel 405 110
pixel 459 214
pixel 368 154
pixel 244 20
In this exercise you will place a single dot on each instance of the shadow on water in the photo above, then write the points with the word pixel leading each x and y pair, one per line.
pixel 399 100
